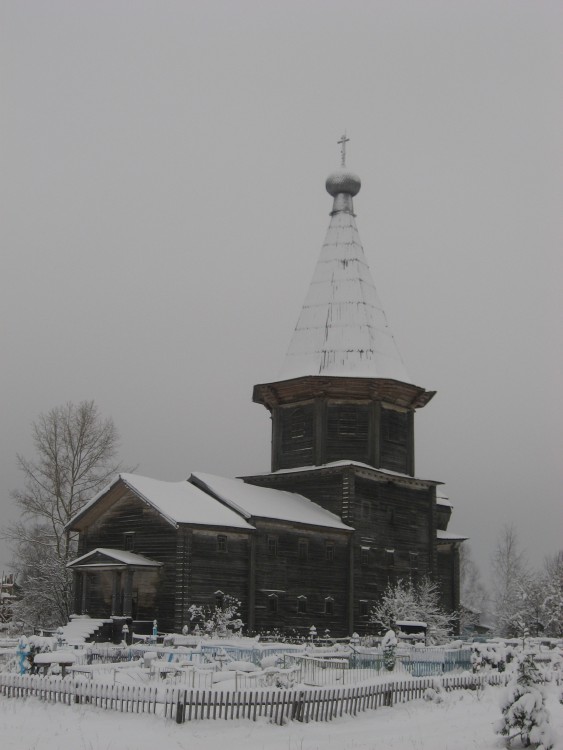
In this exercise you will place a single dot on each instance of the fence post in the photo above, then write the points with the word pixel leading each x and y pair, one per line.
pixel 181 709
pixel 298 706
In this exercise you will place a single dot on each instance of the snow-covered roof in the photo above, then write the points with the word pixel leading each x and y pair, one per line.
pixel 347 462
pixel 449 536
pixel 342 329
pixel 183 502
pixel 113 556
pixel 178 502
pixel 264 502
pixel 442 498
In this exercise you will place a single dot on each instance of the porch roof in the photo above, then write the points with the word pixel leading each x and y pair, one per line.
pixel 112 559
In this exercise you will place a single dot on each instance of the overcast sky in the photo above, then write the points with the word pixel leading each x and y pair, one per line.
pixel 163 207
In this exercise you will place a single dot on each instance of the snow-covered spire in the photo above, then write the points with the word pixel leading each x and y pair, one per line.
pixel 342 329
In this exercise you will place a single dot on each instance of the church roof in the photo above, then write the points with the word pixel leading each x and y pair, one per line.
pixel 177 502
pixel 264 502
pixel 342 329
pixel 208 500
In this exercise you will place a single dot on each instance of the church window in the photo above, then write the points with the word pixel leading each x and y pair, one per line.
pixel 364 607
pixel 329 605
pixel 329 551
pixel 221 543
pixel 364 556
pixel 297 424
pixel 390 558
pixel 273 546
pixel 347 421
pixel 129 541
pixel 219 599
pixel 302 605
pixel 395 426
pixel 273 604
pixel 303 549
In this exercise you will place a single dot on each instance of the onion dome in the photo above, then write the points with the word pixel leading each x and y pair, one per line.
pixel 343 180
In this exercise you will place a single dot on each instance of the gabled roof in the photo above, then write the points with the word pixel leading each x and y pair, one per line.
pixel 105 557
pixel 177 502
pixel 209 500
pixel 342 329
pixel 264 502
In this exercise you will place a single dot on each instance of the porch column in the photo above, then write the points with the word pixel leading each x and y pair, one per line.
pixel 116 593
pixel 84 577
pixel 128 593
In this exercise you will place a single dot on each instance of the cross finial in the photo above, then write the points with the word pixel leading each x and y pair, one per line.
pixel 343 141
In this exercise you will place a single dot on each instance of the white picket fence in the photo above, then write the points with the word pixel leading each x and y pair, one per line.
pixel 279 706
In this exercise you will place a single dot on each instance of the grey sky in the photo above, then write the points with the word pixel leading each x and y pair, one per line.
pixel 162 177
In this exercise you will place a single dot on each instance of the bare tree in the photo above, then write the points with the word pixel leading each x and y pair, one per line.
pixel 75 456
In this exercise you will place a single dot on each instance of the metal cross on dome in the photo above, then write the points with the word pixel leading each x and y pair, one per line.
pixel 343 141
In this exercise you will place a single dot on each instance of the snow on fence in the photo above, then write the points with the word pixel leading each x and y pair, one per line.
pixel 279 706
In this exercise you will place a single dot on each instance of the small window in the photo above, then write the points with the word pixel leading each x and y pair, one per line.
pixel 390 558
pixel 219 599
pixel 348 421
pixel 329 605
pixel 302 605
pixel 303 549
pixel 272 604
pixel 273 545
pixel 129 541
pixel 297 424
pixel 221 543
pixel 329 551
pixel 364 556
pixel 364 608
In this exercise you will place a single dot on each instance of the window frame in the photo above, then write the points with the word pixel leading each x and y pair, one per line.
pixel 222 543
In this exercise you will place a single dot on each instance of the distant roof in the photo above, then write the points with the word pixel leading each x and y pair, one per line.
pixel 342 329
pixel 264 502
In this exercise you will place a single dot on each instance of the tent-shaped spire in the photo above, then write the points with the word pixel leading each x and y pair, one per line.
pixel 342 329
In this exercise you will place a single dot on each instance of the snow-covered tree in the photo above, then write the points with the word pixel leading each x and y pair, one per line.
pixel 75 452
pixel 389 648
pixel 524 715
pixel 515 609
pixel 551 592
pixel 221 620
pixel 413 601
pixel 473 592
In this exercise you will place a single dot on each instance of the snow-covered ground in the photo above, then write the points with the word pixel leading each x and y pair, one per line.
pixel 463 721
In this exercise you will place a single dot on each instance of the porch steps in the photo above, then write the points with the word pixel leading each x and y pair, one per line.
pixel 81 628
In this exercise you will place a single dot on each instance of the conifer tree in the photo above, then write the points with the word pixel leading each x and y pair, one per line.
pixel 524 714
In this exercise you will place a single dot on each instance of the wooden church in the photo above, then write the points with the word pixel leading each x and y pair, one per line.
pixel 341 513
